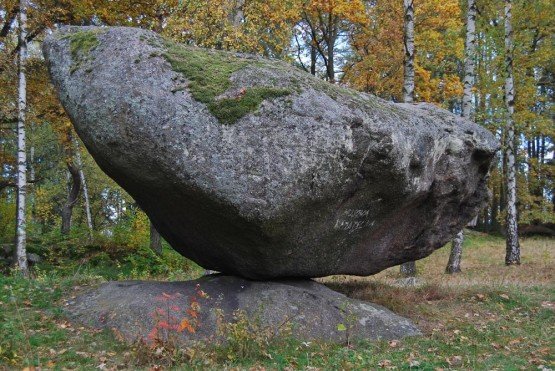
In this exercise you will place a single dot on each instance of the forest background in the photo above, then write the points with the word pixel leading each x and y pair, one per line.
pixel 350 42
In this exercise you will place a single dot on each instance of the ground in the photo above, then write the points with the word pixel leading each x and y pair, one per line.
pixel 487 317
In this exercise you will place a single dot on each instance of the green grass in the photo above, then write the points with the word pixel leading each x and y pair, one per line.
pixel 209 73
pixel 488 317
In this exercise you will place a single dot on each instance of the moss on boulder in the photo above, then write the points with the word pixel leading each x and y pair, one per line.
pixel 209 73
pixel 81 43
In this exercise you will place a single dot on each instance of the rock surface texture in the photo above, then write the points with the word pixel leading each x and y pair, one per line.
pixel 302 309
pixel 252 167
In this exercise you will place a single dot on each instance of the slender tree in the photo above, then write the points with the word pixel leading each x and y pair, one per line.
pixel 321 25
pixel 454 264
pixel 73 189
pixel 512 256
pixel 21 225
pixel 408 269
pixel 408 41
pixel 155 240
pixel 84 184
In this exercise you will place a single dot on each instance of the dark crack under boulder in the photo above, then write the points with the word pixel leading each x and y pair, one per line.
pixel 302 309
pixel 253 167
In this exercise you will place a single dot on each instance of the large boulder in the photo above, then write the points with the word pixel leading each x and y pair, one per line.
pixel 253 167
pixel 302 309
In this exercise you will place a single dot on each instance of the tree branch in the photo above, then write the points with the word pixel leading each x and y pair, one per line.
pixel 10 17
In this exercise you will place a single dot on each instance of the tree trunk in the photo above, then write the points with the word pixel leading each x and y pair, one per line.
pixel 85 188
pixel 470 50
pixel 155 240
pixel 312 59
pixel 67 209
pixel 21 225
pixel 408 269
pixel 31 199
pixel 512 256
pixel 494 226
pixel 408 39
pixel 237 15
pixel 454 264
pixel 331 61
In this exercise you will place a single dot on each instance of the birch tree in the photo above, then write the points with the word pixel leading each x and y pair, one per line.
pixel 74 179
pixel 512 256
pixel 21 225
pixel 408 269
pixel 79 161
pixel 408 41
pixel 454 264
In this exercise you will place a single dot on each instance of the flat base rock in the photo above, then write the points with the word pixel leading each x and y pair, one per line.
pixel 304 309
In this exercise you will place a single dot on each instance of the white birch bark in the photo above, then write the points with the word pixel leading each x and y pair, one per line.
pixel 470 51
pixel 454 264
pixel 408 269
pixel 408 39
pixel 21 225
pixel 512 244
pixel 84 185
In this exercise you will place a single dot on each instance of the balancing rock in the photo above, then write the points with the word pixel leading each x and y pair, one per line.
pixel 253 167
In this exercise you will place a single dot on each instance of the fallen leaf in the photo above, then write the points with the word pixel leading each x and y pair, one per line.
pixel 548 304
pixel 414 363
pixel 384 363
pixel 454 361
pixel 514 342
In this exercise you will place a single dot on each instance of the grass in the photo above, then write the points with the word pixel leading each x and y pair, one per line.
pixel 488 317
pixel 209 73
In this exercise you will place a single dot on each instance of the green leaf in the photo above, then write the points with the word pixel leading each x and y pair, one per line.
pixel 341 327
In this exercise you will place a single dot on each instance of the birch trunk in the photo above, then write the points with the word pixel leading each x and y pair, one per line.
pixel 84 184
pixel 21 225
pixel 512 256
pixel 470 50
pixel 408 269
pixel 454 264
pixel 408 39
